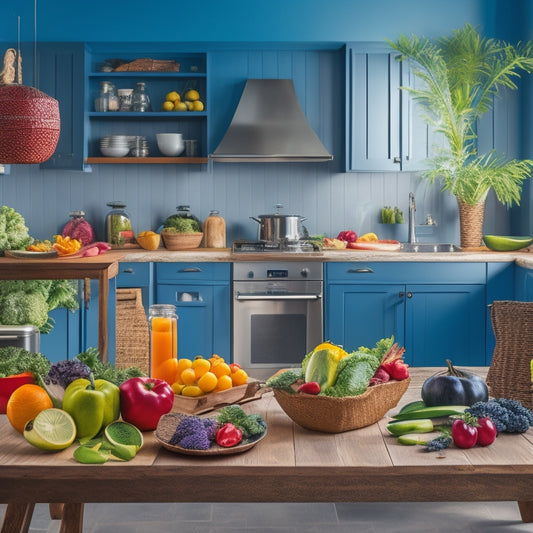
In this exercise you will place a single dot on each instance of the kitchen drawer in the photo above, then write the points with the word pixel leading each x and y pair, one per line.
pixel 434 272
pixel 192 272
pixel 134 274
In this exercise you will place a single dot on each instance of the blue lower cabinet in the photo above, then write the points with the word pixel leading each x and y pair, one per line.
pixel 63 342
pixel 202 299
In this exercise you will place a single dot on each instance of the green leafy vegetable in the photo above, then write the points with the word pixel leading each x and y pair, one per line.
pixel 250 425
pixel 391 215
pixel 182 224
pixel 15 360
pixel 284 380
pixel 13 231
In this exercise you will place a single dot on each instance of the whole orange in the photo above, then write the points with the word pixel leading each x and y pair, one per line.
pixel 25 404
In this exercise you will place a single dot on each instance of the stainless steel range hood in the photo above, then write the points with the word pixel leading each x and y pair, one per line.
pixel 269 126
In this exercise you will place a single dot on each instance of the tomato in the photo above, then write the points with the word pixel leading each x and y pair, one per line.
pixel 486 432
pixel 464 433
pixel 234 367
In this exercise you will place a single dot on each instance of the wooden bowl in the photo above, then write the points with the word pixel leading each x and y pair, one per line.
pixel 182 241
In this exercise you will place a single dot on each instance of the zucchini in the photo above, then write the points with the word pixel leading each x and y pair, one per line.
pixel 438 411
pixel 401 427
pixel 412 406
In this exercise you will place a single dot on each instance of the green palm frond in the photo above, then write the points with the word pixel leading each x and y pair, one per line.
pixel 461 74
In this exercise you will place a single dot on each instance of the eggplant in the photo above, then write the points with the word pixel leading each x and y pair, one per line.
pixel 454 387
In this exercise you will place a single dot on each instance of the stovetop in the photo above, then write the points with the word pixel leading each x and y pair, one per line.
pixel 301 246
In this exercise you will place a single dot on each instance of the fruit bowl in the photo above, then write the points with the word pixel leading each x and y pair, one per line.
pixel 503 243
pixel 181 241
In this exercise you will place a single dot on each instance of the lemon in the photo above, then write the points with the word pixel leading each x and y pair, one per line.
pixel 190 105
pixel 208 382
pixel 52 429
pixel 168 105
pixel 191 390
pixel 197 105
pixel 192 95
pixel 180 106
pixel 173 96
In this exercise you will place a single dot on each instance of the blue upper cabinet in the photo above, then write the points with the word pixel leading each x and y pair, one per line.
pixel 385 130
pixel 61 71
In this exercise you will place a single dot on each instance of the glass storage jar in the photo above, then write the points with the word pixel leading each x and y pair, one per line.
pixel 107 100
pixel 163 323
pixel 78 228
pixel 214 230
pixel 118 228
pixel 183 212
pixel 140 98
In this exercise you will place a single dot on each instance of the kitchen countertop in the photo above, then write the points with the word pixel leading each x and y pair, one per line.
pixel 522 258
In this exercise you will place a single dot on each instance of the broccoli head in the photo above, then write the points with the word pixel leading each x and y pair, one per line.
pixel 182 224
pixel 19 308
pixel 13 231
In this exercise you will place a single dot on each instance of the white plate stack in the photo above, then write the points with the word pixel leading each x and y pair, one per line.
pixel 115 145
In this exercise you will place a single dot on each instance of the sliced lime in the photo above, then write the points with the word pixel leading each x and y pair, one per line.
pixel 51 429
pixel 123 433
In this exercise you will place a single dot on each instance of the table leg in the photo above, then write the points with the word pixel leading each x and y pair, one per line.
pixel 526 511
pixel 72 519
pixel 103 296
pixel 56 511
pixel 17 518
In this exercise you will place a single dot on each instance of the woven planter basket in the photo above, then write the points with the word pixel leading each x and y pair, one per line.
pixel 335 415
pixel 181 241
pixel 132 334
pixel 29 125
pixel 509 374
pixel 471 224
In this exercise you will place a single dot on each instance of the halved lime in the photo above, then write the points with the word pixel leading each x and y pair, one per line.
pixel 123 433
pixel 51 429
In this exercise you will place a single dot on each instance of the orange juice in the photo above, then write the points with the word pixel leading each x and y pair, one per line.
pixel 163 339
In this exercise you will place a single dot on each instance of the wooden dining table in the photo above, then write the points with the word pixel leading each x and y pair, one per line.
pixel 290 464
pixel 101 267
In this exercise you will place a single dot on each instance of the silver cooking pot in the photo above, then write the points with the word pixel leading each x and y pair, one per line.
pixel 277 227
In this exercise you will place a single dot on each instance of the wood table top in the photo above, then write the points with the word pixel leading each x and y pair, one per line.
pixel 291 464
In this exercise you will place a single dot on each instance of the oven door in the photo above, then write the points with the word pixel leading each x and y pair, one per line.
pixel 276 328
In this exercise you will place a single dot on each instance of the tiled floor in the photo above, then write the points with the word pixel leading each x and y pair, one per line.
pixel 488 517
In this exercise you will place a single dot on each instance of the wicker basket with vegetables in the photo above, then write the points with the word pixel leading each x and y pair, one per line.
pixel 182 231
pixel 336 391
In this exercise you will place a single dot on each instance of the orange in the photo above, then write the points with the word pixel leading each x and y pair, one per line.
pixel 25 404
pixel 208 382
pixel 221 369
pixel 239 377
pixel 167 371
pixel 200 367
pixel 188 376
pixel 223 383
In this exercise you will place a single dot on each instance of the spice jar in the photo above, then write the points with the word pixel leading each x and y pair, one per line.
pixel 78 228
pixel 214 230
pixel 118 225
pixel 108 99
pixel 163 323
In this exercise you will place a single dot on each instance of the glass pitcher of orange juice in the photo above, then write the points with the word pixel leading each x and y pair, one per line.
pixel 163 341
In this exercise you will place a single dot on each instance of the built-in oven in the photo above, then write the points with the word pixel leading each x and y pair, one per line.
pixel 277 312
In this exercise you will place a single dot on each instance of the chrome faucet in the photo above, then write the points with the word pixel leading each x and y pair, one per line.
pixel 412 209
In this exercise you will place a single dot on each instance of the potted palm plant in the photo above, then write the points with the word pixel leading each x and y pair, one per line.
pixel 461 75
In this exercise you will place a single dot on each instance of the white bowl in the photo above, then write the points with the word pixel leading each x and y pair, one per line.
pixel 170 144
pixel 115 151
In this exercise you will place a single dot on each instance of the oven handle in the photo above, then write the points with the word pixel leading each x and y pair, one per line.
pixel 249 297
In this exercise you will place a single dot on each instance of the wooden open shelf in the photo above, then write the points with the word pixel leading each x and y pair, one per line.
pixel 145 160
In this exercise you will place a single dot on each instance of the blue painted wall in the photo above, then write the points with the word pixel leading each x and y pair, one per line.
pixel 241 36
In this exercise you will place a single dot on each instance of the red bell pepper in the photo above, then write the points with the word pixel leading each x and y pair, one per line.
pixel 347 236
pixel 311 387
pixel 143 401
pixel 228 435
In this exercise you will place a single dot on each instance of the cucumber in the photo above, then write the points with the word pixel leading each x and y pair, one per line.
pixel 413 406
pixel 503 243
pixel 431 412
pixel 401 427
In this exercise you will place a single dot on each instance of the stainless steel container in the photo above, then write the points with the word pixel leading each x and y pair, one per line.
pixel 278 227
pixel 26 337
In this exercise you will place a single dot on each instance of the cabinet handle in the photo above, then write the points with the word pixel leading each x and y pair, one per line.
pixel 397 160
pixel 128 271
pixel 409 295
pixel 360 271
pixel 404 294
pixel 190 269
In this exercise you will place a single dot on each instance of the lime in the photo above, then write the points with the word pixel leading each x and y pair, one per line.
pixel 123 433
pixel 51 429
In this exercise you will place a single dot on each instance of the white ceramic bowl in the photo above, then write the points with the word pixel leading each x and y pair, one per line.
pixel 170 144
pixel 115 151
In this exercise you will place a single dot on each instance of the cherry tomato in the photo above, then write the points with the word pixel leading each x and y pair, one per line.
pixel 464 435
pixel 486 432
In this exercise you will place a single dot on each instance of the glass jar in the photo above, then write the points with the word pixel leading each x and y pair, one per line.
pixel 183 212
pixel 107 99
pixel 118 228
pixel 78 228
pixel 140 98
pixel 125 97
pixel 214 230
pixel 163 323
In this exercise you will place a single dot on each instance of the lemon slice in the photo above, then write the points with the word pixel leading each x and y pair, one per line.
pixel 51 429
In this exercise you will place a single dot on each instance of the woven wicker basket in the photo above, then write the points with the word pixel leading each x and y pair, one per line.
pixel 181 241
pixel 132 335
pixel 509 374
pixel 471 224
pixel 335 415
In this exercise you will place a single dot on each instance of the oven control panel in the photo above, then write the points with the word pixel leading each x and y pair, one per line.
pixel 288 270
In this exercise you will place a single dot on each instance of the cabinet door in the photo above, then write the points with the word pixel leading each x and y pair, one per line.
pixel 61 74
pixel 63 342
pixel 445 322
pixel 360 315
pixel 372 109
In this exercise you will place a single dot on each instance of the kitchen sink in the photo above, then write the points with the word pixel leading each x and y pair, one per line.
pixel 428 247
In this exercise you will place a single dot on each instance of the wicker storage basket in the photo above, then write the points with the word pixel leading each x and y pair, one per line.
pixel 509 374
pixel 132 335
pixel 181 241
pixel 335 415
pixel 29 125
